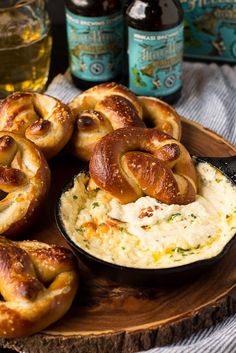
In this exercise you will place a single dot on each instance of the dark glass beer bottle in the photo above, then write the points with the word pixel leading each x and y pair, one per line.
pixel 95 40
pixel 155 48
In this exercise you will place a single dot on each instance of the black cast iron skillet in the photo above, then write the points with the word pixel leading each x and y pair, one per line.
pixel 152 277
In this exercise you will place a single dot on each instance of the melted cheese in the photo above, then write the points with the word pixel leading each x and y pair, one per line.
pixel 148 233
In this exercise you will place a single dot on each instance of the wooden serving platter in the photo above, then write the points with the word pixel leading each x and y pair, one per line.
pixel 108 318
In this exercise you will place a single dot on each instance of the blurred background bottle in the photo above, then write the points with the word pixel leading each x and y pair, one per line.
pixel 210 30
pixel 125 80
pixel 155 48
pixel 95 34
pixel 25 46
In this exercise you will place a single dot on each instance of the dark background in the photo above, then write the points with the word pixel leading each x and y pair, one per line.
pixel 59 62
pixel 56 11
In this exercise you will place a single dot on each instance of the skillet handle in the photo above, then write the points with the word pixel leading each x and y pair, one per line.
pixel 226 164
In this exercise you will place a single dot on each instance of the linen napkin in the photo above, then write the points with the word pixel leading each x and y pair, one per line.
pixel 209 98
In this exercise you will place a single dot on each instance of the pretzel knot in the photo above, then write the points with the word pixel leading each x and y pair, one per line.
pixel 132 162
pixel 42 119
pixel 37 285
pixel 107 107
pixel 24 182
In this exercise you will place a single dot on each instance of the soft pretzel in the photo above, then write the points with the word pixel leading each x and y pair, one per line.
pixel 100 110
pixel 132 162
pixel 161 115
pixel 40 118
pixel 89 98
pixel 24 182
pixel 107 107
pixel 38 283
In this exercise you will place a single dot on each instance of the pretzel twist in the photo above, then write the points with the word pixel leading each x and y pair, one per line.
pixel 100 110
pixel 161 115
pixel 37 284
pixel 107 107
pixel 132 162
pixel 24 182
pixel 40 118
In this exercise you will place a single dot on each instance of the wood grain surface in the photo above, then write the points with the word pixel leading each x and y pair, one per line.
pixel 108 318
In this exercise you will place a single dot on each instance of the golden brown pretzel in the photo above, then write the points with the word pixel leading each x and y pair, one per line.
pixel 38 283
pixel 24 182
pixel 161 115
pixel 100 110
pixel 89 98
pixel 132 162
pixel 107 107
pixel 42 119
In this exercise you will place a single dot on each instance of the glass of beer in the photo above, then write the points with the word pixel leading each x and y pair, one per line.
pixel 25 46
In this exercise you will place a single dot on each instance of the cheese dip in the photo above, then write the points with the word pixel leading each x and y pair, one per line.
pixel 147 233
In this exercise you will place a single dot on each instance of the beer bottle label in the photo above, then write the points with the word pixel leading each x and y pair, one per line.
pixel 95 46
pixel 210 29
pixel 155 61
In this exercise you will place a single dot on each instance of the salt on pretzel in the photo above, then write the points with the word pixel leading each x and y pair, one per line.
pixel 132 162
pixel 38 283
pixel 100 110
pixel 24 183
pixel 40 118
pixel 110 106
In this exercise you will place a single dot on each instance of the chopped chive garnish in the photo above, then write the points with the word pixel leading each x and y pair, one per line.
pixel 173 216
pixel 95 204
pixel 180 250
pixel 80 230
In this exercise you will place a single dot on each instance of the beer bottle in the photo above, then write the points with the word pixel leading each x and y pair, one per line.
pixel 95 40
pixel 155 48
